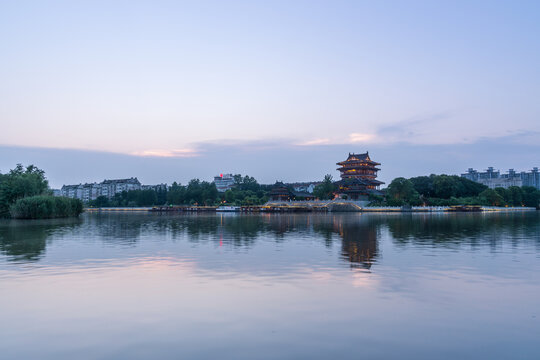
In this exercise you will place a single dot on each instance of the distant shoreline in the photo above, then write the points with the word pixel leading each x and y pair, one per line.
pixel 297 208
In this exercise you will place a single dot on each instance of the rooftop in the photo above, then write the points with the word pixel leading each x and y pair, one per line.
pixel 362 158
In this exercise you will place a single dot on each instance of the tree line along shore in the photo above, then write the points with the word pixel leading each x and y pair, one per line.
pixel 25 194
pixel 433 190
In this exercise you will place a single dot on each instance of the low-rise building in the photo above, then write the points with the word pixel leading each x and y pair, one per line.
pixel 89 191
pixel 158 187
pixel 224 182
pixel 119 185
pixel 69 191
pixel 531 178
pixel 304 187
pixel 107 188
pixel 285 192
pixel 493 178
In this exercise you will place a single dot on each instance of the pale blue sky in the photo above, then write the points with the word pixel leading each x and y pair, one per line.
pixel 166 78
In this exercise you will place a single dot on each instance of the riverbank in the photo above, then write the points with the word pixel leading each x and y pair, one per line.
pixel 139 209
pixel 293 207
pixel 448 209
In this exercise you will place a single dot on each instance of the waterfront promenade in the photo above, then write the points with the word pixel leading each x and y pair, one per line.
pixel 318 206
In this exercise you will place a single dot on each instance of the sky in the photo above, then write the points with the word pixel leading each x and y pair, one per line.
pixel 280 90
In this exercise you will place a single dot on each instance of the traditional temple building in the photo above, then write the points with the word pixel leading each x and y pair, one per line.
pixel 358 177
pixel 282 192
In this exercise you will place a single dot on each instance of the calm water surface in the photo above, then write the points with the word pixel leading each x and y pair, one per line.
pixel 341 286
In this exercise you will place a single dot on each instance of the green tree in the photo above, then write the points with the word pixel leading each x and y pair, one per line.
pixel 229 196
pixel 445 186
pixel 531 196
pixel 376 200
pixel 325 190
pixel 491 198
pixel 515 195
pixel 423 185
pixel 402 190
pixel 19 183
pixel 470 188
pixel 194 192
pixel 237 179
pixel 176 194
pixel 505 195
pixel 146 197
pixel 249 183
pixel 246 191
pixel 161 196
pixel 100 201
pixel 209 193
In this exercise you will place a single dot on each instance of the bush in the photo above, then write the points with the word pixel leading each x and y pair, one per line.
pixel 45 207
pixel 19 183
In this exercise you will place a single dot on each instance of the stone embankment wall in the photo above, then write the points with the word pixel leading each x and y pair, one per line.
pixel 361 206
pixel 334 206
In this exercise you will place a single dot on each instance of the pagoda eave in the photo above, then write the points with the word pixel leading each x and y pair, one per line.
pixel 354 167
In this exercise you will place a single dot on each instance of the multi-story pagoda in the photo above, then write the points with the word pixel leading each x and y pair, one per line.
pixel 358 177
pixel 280 192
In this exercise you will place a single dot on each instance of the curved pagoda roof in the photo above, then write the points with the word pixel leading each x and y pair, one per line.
pixel 357 185
pixel 358 158
pixel 279 188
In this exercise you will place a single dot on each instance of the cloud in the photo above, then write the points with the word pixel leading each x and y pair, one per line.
pixel 276 160
pixel 314 142
pixel 361 137
pixel 521 137
pixel 418 129
pixel 410 126
pixel 351 139
pixel 180 153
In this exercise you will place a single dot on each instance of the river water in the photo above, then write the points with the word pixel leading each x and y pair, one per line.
pixel 272 286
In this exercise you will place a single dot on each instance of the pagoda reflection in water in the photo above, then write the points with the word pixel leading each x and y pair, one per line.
pixel 358 233
pixel 359 243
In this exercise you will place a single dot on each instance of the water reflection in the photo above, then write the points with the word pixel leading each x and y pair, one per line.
pixel 359 242
pixel 23 240
pixel 478 229
pixel 274 286
pixel 115 228
pixel 358 234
